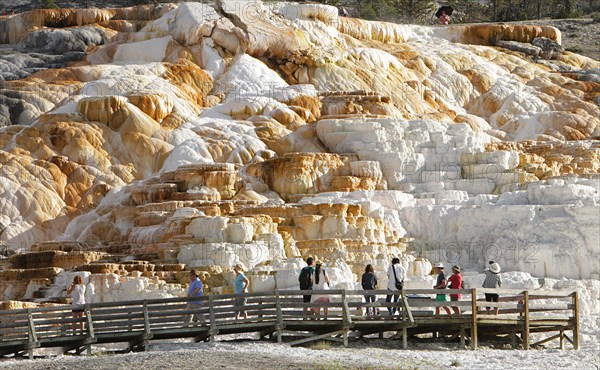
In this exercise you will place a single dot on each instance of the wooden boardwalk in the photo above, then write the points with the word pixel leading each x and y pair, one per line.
pixel 280 316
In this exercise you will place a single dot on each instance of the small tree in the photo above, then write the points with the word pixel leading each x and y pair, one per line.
pixel 415 11
pixel 48 4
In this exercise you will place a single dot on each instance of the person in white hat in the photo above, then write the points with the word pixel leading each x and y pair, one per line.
pixel 455 282
pixel 492 281
pixel 441 284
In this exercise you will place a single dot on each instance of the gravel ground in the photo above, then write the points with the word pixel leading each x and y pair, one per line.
pixel 371 354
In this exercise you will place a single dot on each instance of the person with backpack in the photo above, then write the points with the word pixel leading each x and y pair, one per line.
pixel 369 282
pixel 395 276
pixel 455 282
pixel 306 282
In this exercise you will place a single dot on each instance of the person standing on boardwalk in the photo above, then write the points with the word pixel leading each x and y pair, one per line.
pixel 77 293
pixel 320 281
pixel 305 281
pixel 195 289
pixel 441 284
pixel 395 275
pixel 369 282
pixel 492 281
pixel 240 285
pixel 455 282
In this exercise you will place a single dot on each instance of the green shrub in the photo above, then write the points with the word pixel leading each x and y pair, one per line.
pixel 574 49
pixel 48 4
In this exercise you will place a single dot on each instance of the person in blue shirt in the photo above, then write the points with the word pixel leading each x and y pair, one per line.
pixel 195 289
pixel 240 285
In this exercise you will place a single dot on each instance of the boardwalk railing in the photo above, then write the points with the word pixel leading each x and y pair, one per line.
pixel 283 313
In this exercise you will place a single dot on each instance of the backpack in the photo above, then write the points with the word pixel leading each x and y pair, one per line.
pixel 304 278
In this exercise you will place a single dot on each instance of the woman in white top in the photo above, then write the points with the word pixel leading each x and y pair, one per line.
pixel 320 281
pixel 77 292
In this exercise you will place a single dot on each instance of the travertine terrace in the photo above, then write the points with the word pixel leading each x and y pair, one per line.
pixel 137 143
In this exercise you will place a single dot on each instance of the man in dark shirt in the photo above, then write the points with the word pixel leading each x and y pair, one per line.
pixel 306 282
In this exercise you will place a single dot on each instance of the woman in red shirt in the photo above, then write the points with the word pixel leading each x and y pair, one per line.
pixel 455 282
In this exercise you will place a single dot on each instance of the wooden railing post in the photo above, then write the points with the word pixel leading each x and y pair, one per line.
pixel 89 328
pixel 576 319
pixel 213 331
pixel 406 308
pixel 280 325
pixel 31 334
pixel 525 320
pixel 473 318
pixel 347 320
pixel 147 334
pixel 404 316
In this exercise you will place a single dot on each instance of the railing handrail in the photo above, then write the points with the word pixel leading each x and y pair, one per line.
pixel 140 321
pixel 295 293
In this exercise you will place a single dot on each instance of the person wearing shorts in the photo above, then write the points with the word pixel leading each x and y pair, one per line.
pixel 240 285
pixel 441 284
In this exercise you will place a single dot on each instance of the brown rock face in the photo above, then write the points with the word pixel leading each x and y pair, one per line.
pixel 548 159
pixel 49 258
pixel 311 173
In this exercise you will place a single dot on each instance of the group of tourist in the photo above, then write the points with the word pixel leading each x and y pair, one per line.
pixel 196 289
pixel 315 277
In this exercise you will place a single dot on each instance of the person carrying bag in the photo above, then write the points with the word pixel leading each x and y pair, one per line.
pixel 395 282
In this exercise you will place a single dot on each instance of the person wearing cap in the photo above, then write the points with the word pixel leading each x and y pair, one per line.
pixel 492 281
pixel 455 282
pixel 240 285
pixel 441 284
pixel 195 289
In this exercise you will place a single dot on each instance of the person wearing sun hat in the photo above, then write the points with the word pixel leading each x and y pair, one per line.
pixel 455 282
pixel 492 281
pixel 441 284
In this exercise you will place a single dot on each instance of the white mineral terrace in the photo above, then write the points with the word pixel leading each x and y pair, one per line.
pixel 276 131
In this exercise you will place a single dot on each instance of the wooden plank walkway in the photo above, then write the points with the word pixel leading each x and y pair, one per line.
pixel 281 316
